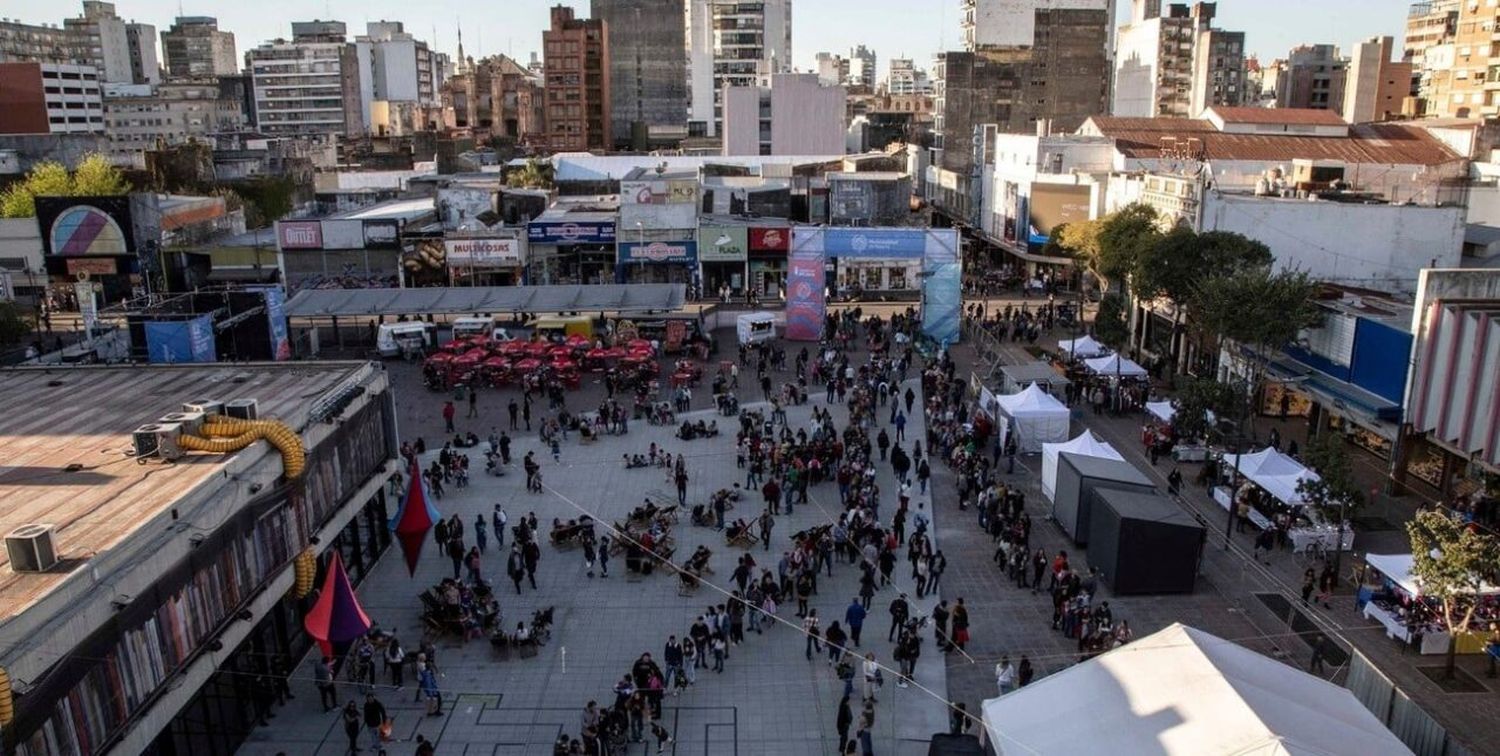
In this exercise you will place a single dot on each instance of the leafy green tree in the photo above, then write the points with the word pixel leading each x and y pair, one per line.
pixel 1172 269
pixel 1197 401
pixel 267 199
pixel 533 175
pixel 1123 238
pixel 1451 562
pixel 14 324
pixel 1109 322
pixel 95 177
pixel 1334 494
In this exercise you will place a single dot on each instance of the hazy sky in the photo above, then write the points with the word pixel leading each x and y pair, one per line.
pixel 894 28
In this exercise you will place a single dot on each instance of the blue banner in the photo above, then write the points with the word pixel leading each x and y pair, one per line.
pixel 942 287
pixel 179 341
pixel 281 345
pixel 585 232
pixel 875 243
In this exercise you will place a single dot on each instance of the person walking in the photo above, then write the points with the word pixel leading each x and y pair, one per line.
pixel 473 402
pixel 1319 653
pixel 1005 675
pixel 395 661
pixel 352 720
pixel 323 678
pixel 900 610
pixel 448 413
pixel 514 409
pixel 374 718
pixel 604 556
pixel 533 554
pixel 810 628
pixel 844 721
pixel 854 617
pixel 427 685
pixel 515 567
pixel 873 678
pixel 456 553
pixel 498 520
pixel 960 622
pixel 480 536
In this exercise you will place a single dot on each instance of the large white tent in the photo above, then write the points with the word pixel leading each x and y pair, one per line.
pixel 1037 417
pixel 1184 692
pixel 1273 471
pixel 1115 365
pixel 1397 568
pixel 1081 347
pixel 1165 411
pixel 1086 444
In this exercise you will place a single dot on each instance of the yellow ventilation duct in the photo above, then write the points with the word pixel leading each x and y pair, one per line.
pixel 228 435
pixel 7 700
pixel 306 570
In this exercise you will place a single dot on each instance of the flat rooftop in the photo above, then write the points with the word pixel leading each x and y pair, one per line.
pixel 52 420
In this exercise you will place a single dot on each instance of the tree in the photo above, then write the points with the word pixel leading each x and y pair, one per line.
pixel 14 325
pixel 1259 310
pixel 1452 562
pixel 533 175
pixel 95 177
pixel 1198 401
pixel 1334 493
pixel 1180 260
pixel 1122 238
pixel 1109 322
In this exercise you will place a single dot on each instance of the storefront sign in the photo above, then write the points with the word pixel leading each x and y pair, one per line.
pixel 723 243
pixel 382 234
pixel 482 253
pixel 875 243
pixel 97 266
pixel 658 252
pixel 343 234
pixel 299 234
pixel 571 233
pixel 770 239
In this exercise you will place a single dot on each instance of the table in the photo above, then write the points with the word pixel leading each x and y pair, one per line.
pixel 1184 453
pixel 1394 627
pixel 1224 497
pixel 1325 536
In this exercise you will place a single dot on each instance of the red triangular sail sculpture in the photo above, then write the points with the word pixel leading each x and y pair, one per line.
pixel 337 616
pixel 414 519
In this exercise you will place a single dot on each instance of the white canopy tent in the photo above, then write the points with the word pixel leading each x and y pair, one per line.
pixel 1397 568
pixel 1082 347
pixel 1038 417
pixel 1165 411
pixel 1184 692
pixel 1115 365
pixel 1086 444
pixel 1273 471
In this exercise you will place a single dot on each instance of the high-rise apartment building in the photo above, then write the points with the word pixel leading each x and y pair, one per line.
pixel 195 48
pixel 575 56
pixel 1462 76
pixel 1012 23
pixel 730 43
pixel 1375 87
pixel 906 79
pixel 648 81
pixel 34 43
pixel 862 64
pixel 1172 62
pixel 50 98
pixel 121 52
pixel 308 85
pixel 833 69
pixel 1313 79
pixel 394 66
pixel 1431 28
pixel 98 38
pixel 140 44
pixel 166 114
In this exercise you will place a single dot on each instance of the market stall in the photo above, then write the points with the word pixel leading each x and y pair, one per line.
pixel 1086 443
pixel 1279 476
pixel 1082 347
pixel 1399 606
pixel 1115 365
pixel 1036 417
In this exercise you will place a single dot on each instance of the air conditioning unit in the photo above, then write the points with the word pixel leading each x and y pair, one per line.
pixel 30 548
pixel 206 406
pixel 157 440
pixel 242 409
pixel 191 422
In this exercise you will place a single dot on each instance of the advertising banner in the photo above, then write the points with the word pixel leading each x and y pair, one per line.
pixel 180 341
pixel 299 235
pixel 942 286
pixel 281 345
pixel 343 234
pixel 875 243
pixel 658 192
pixel 482 253
pixel 85 225
pixel 382 234
pixel 776 239
pixel 1052 205
pixel 94 266
pixel 591 232
pixel 805 303
pixel 658 252
pixel 723 243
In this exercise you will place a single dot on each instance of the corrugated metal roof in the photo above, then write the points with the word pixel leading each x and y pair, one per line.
pixel 1147 138
pixel 1297 116
pixel 464 300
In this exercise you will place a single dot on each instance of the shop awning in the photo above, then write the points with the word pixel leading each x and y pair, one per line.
pixel 493 299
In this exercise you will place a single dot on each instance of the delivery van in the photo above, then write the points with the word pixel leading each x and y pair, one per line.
pixel 411 337
pixel 466 327
pixel 561 327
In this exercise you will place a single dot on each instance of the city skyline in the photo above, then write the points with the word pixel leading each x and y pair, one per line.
pixel 817 26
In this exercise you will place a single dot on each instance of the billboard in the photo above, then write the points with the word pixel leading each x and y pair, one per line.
pixel 658 252
pixel 1010 210
pixel 482 253
pixel 177 341
pixel 382 234
pixel 805 303
pixel 678 192
pixel 77 226
pixel 571 232
pixel 343 234
pixel 1052 205
pixel 772 239
pixel 299 234
pixel 281 345
pixel 723 243
pixel 942 287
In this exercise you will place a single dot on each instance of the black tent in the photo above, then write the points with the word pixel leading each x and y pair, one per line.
pixel 1143 542
pixel 1078 475
pixel 947 744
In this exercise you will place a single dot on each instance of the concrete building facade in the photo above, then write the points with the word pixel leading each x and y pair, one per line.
pixel 576 59
pixel 1431 28
pixel 833 69
pixel 122 53
pixel 308 85
pixel 496 96
pixel 648 86
pixel 788 114
pixel 1376 88
pixel 1312 79
pixel 906 79
pixel 140 43
pixel 395 68
pixel 167 114
pixel 98 38
pixel 862 67
pixel 1175 63
pixel 194 47
pixel 50 98
pixel 729 44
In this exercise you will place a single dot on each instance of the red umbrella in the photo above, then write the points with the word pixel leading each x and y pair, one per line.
pixel 636 344
pixel 562 363
pixel 441 358
pixel 597 354
pixel 529 364
pixel 454 346
pixel 561 350
pixel 538 349
pixel 578 339
pixel 514 347
pixel 470 358
pixel 614 353
pixel 497 362
pixel 480 340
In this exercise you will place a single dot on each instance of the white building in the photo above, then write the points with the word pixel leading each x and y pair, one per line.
pixel 833 69
pixel 310 85
pixel 786 114
pixel 862 67
pixel 395 68
pixel 99 39
pixel 50 98
pixel 906 79
pixel 142 117
pixel 1174 63
pixel 729 43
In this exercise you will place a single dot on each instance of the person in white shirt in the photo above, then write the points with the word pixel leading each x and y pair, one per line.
pixel 1005 675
